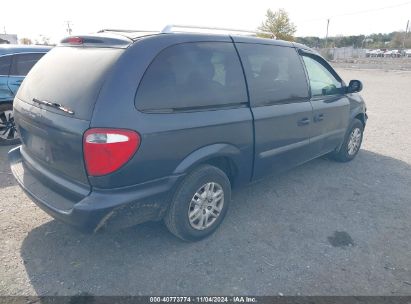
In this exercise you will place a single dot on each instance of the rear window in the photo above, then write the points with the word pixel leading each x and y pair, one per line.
pixel 71 77
pixel 275 74
pixel 193 76
pixel 22 63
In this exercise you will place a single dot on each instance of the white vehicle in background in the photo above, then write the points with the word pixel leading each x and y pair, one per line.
pixel 396 53
pixel 392 53
pixel 368 53
pixel 407 53
pixel 376 53
pixel 385 53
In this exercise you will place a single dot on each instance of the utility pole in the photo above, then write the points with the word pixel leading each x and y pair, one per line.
pixel 405 34
pixel 326 35
pixel 69 29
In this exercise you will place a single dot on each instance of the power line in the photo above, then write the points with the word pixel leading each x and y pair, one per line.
pixel 374 10
pixel 362 12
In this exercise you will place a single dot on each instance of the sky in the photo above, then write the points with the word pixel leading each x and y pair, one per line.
pixel 348 17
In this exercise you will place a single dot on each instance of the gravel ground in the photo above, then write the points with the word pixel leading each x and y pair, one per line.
pixel 324 228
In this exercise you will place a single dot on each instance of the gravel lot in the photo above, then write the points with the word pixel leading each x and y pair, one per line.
pixel 321 229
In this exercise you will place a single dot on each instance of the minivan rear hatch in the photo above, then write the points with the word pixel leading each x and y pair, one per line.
pixel 54 106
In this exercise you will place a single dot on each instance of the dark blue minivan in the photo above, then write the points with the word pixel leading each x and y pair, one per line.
pixel 15 62
pixel 120 128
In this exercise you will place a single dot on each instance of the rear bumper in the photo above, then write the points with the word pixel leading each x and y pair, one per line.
pixel 111 208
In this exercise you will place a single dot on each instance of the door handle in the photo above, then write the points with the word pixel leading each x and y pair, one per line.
pixel 303 122
pixel 319 117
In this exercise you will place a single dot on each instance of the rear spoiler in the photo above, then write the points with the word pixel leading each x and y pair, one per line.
pixel 97 40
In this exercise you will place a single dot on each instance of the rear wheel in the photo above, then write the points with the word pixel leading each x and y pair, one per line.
pixel 351 144
pixel 199 204
pixel 8 131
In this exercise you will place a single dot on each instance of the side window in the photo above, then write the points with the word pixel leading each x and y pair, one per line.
pixel 192 75
pixel 5 62
pixel 22 63
pixel 275 74
pixel 322 81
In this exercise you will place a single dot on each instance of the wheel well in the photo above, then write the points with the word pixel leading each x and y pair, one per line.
pixel 226 165
pixel 361 118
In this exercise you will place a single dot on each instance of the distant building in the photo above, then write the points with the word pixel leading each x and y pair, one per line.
pixel 8 39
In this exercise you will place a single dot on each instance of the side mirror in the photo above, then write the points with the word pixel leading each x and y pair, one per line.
pixel 354 86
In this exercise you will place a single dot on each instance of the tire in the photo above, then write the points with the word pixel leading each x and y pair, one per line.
pixel 187 200
pixel 7 125
pixel 345 153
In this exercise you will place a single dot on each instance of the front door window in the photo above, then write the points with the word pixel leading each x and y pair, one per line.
pixel 322 81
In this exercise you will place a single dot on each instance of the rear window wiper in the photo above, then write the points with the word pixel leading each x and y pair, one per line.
pixel 54 105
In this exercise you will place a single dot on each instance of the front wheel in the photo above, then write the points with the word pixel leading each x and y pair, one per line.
pixel 8 131
pixel 199 204
pixel 352 142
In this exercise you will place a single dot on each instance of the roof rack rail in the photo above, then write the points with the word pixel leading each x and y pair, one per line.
pixel 126 31
pixel 169 29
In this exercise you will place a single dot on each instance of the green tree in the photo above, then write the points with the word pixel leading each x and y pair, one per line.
pixel 25 41
pixel 397 40
pixel 314 42
pixel 279 24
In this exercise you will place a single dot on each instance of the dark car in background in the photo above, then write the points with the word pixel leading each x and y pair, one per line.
pixel 122 128
pixel 15 62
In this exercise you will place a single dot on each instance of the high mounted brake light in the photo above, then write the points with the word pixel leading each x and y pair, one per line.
pixel 73 40
pixel 106 150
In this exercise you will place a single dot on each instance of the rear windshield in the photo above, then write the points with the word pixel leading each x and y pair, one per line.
pixel 71 77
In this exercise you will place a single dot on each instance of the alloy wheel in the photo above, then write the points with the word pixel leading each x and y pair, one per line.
pixel 206 206
pixel 354 141
pixel 8 129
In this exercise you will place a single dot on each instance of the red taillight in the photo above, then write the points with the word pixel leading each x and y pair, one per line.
pixel 106 150
pixel 73 40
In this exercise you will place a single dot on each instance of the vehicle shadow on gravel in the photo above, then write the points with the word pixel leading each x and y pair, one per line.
pixel 280 224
